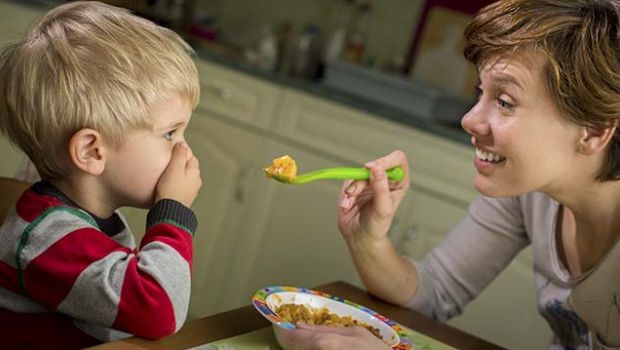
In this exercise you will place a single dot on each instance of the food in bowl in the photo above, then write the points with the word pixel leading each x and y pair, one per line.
pixel 268 301
pixel 295 313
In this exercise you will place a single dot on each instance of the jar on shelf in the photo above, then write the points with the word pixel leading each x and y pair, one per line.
pixel 355 45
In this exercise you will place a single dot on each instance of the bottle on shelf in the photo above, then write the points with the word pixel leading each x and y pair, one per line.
pixel 338 30
pixel 307 51
pixel 267 50
pixel 356 40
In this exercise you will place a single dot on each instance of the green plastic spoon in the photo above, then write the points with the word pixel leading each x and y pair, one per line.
pixel 396 174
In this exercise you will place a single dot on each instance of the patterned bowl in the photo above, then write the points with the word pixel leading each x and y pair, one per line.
pixel 268 299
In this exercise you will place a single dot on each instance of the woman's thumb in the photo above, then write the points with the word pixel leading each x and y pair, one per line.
pixel 382 201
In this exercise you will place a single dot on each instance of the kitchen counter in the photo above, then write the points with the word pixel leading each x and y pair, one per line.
pixel 451 132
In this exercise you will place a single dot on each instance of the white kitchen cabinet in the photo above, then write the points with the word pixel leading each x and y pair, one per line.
pixel 237 96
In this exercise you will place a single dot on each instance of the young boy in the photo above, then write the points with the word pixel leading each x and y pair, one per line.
pixel 99 100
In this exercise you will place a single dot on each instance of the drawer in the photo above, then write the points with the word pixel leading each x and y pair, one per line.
pixel 438 165
pixel 235 95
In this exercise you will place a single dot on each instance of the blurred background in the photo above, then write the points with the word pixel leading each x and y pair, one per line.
pixel 416 39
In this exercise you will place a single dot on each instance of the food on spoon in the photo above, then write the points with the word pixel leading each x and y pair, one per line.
pixel 294 313
pixel 282 168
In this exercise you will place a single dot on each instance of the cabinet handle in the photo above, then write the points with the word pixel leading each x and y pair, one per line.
pixel 242 179
pixel 220 92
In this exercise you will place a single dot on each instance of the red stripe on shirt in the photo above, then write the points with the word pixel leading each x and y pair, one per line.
pixel 8 277
pixel 173 236
pixel 145 309
pixel 62 263
pixel 32 204
pixel 49 331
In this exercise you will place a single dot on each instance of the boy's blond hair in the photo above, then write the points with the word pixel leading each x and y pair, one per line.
pixel 88 65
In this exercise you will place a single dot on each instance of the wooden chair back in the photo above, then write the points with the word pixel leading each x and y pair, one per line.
pixel 10 190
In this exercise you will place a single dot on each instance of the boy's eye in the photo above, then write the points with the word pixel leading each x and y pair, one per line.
pixel 168 136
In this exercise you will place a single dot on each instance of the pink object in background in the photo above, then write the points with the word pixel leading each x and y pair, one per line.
pixel 204 32
pixel 469 7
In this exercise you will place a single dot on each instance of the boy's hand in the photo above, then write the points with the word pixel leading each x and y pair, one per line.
pixel 181 179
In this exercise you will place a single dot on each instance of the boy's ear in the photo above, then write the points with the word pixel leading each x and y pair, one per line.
pixel 594 140
pixel 86 151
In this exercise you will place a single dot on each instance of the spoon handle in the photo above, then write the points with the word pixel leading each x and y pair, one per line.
pixel 341 173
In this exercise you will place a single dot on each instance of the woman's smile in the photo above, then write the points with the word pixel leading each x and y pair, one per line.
pixel 486 159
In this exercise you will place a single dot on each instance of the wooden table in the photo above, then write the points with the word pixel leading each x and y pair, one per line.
pixel 247 319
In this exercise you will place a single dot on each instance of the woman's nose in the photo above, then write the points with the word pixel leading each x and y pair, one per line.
pixel 475 122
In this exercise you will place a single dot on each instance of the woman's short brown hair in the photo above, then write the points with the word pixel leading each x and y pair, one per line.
pixel 580 40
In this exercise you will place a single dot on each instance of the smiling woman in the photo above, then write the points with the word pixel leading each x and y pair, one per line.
pixel 545 129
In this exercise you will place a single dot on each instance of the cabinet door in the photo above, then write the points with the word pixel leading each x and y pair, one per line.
pixel 237 96
pixel 230 165
pixel 291 236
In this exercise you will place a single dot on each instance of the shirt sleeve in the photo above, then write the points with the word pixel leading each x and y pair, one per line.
pixel 144 292
pixel 470 257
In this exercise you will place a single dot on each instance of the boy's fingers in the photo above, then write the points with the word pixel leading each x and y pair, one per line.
pixel 179 154
pixel 190 153
pixel 193 163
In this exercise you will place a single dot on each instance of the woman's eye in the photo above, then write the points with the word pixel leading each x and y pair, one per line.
pixel 503 104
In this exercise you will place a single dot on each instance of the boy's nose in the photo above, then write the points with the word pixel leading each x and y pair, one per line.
pixel 475 122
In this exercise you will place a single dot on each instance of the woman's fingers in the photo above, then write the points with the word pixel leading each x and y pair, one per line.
pixel 307 337
pixel 382 201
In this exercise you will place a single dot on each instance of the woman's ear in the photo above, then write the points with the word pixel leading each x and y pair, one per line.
pixel 87 151
pixel 594 140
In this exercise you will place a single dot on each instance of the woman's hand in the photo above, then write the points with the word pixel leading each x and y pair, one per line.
pixel 306 337
pixel 367 207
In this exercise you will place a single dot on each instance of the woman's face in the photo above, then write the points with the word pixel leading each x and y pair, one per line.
pixel 522 142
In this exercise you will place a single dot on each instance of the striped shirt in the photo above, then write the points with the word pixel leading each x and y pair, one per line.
pixel 69 279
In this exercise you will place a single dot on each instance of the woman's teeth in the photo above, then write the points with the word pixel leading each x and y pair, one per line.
pixel 488 156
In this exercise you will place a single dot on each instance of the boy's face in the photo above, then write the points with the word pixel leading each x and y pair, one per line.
pixel 133 170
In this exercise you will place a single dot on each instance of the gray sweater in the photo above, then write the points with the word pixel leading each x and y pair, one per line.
pixel 483 244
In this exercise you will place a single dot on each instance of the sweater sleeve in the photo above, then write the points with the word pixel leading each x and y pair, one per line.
pixel 96 280
pixel 470 257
